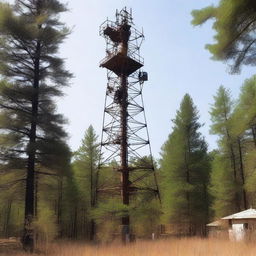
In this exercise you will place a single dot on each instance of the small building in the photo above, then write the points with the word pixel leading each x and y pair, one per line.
pixel 237 227
pixel 217 229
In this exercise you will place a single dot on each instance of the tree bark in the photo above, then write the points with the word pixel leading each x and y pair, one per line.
pixel 242 172
pixel 92 230
pixel 254 134
pixel 28 233
pixel 187 154
pixel 59 204
pixel 36 194
pixel 232 158
pixel 74 233
pixel 233 166
pixel 92 222
pixel 7 218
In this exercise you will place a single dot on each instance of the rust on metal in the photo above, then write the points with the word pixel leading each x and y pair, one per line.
pixel 125 143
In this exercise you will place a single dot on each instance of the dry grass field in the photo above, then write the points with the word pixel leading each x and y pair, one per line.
pixel 181 247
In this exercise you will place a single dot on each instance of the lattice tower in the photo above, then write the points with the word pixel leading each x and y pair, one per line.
pixel 125 146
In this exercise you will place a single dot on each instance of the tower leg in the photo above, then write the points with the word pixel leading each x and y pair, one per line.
pixel 124 160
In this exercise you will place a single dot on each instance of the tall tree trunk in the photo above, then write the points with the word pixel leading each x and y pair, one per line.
pixel 59 204
pixel 7 218
pixel 254 134
pixel 92 230
pixel 207 209
pixel 242 172
pixel 233 166
pixel 84 233
pixel 36 195
pixel 92 222
pixel 188 181
pixel 36 204
pixel 232 159
pixel 74 233
pixel 28 234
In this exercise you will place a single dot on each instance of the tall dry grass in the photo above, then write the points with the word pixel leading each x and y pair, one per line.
pixel 174 247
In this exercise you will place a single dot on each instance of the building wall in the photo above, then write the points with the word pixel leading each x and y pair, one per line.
pixel 217 232
pixel 243 229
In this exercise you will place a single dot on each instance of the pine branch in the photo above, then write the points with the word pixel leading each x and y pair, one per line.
pixel 11 184
pixel 47 173
pixel 15 109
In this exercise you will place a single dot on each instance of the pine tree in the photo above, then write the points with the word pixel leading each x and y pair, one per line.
pixel 185 169
pixel 228 159
pixel 11 201
pixel 245 112
pixel 85 168
pixel 244 128
pixel 234 23
pixel 222 186
pixel 31 76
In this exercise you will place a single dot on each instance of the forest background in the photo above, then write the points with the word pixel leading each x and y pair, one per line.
pixel 64 182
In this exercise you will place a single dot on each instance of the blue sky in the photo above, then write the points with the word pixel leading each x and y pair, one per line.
pixel 175 59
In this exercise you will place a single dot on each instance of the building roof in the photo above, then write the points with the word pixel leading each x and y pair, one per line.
pixel 216 223
pixel 247 214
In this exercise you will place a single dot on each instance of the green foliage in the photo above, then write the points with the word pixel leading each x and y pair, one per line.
pixel 185 170
pixel 109 210
pixel 244 128
pixel 32 76
pixel 201 16
pixel 70 198
pixel 225 165
pixel 251 172
pixel 25 40
pixel 107 216
pixel 222 187
pixel 80 188
pixel 146 218
pixel 233 166
pixel 234 23
pixel 11 201
pixel 85 166
pixel 221 112
pixel 45 224
pixel 245 112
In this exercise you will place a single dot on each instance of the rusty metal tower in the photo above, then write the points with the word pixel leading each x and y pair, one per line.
pixel 125 142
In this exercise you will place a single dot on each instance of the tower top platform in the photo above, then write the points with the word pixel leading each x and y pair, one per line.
pixel 121 65
pixel 123 44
